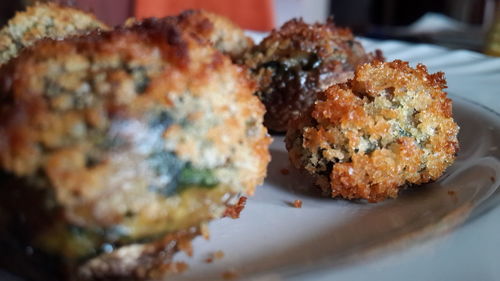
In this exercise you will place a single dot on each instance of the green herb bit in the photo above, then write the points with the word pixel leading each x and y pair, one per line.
pixel 191 176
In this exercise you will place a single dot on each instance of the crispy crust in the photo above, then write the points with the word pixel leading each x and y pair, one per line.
pixel 389 127
pixel 298 60
pixel 48 20
pixel 221 32
pixel 32 124
pixel 85 118
pixel 235 210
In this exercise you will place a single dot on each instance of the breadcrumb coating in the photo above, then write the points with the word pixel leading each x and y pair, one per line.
pixel 298 60
pixel 131 135
pixel 221 32
pixel 48 20
pixel 389 127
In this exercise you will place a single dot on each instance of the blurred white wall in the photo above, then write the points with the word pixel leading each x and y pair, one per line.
pixel 310 10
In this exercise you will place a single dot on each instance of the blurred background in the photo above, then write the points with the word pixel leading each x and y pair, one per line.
pixel 467 24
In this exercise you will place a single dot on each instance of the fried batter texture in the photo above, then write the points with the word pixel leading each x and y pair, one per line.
pixel 48 20
pixel 389 127
pixel 126 137
pixel 298 60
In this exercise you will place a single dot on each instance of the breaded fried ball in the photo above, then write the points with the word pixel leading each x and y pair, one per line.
pixel 389 127
pixel 221 32
pixel 298 60
pixel 48 20
pixel 125 137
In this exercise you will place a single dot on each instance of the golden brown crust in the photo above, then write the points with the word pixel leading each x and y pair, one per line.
pixel 390 126
pixel 34 122
pixel 48 20
pixel 298 60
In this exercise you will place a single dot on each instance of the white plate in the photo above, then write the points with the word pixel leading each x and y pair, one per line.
pixel 335 239
pixel 274 241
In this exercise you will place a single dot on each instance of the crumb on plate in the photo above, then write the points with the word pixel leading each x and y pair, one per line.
pixel 217 255
pixel 235 210
pixel 230 275
pixel 297 203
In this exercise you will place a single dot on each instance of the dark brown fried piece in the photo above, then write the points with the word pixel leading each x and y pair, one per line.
pixel 389 127
pixel 221 32
pixel 298 60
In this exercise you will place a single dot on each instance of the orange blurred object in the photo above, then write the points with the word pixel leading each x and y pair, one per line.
pixel 249 14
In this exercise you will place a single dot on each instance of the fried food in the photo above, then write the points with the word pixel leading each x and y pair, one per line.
pixel 298 60
pixel 48 20
pixel 120 143
pixel 389 127
pixel 221 32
